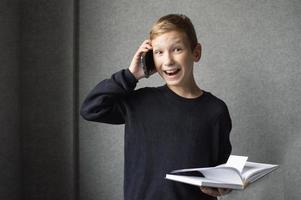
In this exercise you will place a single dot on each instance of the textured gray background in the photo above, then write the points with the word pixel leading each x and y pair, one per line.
pixel 251 59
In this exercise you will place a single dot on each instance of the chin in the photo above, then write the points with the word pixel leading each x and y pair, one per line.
pixel 173 83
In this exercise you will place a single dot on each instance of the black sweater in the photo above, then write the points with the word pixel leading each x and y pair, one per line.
pixel 163 132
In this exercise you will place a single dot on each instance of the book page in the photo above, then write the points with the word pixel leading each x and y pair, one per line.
pixel 223 174
pixel 220 173
pixel 253 170
pixel 237 162
pixel 201 181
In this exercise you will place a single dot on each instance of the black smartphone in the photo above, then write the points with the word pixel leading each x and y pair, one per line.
pixel 147 63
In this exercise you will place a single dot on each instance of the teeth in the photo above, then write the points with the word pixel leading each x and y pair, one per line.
pixel 171 71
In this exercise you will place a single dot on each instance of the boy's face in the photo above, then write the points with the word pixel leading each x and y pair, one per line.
pixel 174 58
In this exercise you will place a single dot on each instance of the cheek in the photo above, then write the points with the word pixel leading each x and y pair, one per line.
pixel 188 60
pixel 183 61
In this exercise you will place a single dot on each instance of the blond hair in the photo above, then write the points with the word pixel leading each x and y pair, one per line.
pixel 175 22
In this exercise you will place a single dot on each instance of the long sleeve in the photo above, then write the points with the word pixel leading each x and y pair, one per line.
pixel 105 102
pixel 222 129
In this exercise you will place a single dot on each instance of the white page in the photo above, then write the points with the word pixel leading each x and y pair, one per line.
pixel 237 162
pixel 223 174
pixel 201 181
pixel 252 168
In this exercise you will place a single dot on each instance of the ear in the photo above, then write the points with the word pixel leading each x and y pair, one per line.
pixel 197 52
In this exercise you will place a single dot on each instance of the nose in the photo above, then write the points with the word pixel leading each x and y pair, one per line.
pixel 168 60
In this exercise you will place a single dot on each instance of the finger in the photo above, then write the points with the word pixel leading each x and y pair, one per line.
pixel 223 191
pixel 149 46
pixel 141 52
pixel 146 46
pixel 147 41
pixel 213 193
pixel 210 191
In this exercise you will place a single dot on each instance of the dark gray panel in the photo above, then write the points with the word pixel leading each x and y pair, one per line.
pixel 9 101
pixel 47 99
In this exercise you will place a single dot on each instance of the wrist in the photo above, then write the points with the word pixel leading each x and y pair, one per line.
pixel 136 74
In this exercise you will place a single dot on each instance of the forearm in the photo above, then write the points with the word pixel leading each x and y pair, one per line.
pixel 104 102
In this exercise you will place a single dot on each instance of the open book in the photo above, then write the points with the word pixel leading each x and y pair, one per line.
pixel 237 173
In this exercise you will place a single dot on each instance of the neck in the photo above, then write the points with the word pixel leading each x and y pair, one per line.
pixel 188 91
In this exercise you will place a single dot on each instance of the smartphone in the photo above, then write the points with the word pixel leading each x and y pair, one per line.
pixel 147 63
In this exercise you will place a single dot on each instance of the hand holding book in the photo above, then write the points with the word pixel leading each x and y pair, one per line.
pixel 215 192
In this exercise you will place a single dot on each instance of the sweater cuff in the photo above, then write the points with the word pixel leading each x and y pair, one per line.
pixel 130 77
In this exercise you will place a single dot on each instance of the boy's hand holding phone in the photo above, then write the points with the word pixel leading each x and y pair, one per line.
pixel 139 67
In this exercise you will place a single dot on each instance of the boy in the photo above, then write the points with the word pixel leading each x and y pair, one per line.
pixel 177 125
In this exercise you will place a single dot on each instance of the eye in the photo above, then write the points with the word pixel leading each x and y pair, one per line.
pixel 157 52
pixel 177 50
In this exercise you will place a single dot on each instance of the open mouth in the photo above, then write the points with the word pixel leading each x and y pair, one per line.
pixel 171 72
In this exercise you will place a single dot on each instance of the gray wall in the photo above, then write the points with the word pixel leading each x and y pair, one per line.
pixel 9 101
pixel 250 59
